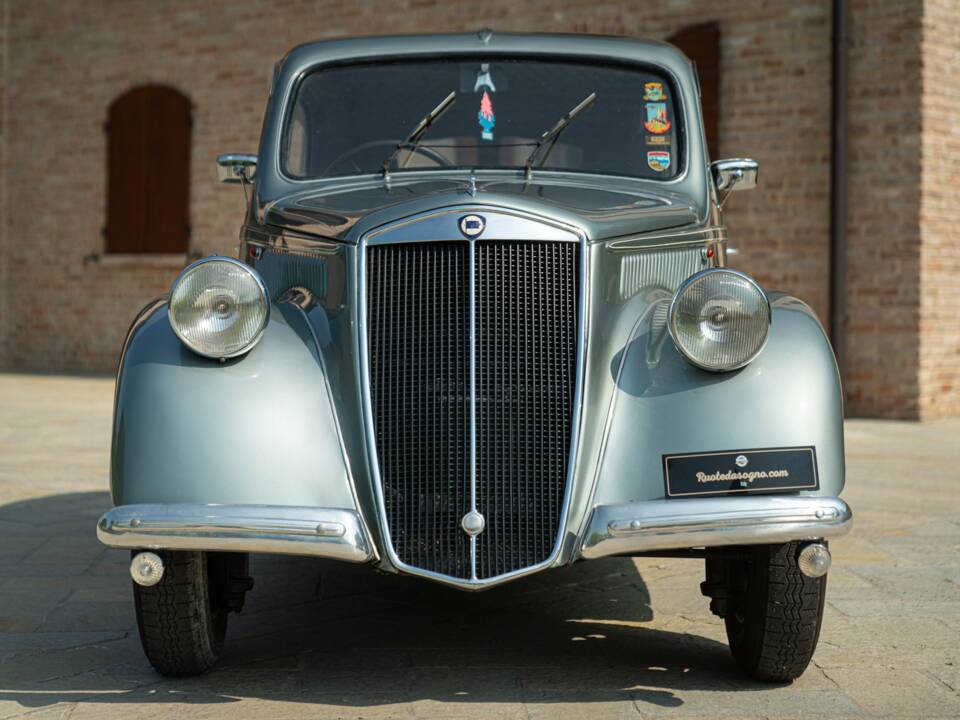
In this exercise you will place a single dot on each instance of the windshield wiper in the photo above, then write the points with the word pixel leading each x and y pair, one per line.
pixel 413 139
pixel 553 134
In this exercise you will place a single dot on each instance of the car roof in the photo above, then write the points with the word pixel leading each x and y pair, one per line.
pixel 485 40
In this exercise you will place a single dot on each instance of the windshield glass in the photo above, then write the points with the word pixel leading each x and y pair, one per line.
pixel 348 119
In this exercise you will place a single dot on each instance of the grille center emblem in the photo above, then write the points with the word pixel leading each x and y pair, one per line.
pixel 472 225
pixel 473 523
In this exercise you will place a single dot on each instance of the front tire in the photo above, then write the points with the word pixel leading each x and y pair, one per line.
pixel 774 612
pixel 183 618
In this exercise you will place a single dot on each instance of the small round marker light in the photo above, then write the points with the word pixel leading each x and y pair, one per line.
pixel 814 560
pixel 146 569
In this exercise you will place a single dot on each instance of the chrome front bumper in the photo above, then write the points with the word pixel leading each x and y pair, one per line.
pixel 322 532
pixel 633 528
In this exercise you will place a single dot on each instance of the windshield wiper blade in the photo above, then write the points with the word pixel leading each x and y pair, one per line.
pixel 413 139
pixel 553 134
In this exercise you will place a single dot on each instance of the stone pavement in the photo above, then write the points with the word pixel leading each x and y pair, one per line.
pixel 609 639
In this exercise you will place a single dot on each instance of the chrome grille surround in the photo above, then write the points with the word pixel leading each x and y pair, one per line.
pixel 441 226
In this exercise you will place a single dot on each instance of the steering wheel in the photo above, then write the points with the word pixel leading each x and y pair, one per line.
pixel 426 151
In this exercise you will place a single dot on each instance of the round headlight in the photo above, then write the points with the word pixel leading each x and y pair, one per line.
pixel 218 307
pixel 720 319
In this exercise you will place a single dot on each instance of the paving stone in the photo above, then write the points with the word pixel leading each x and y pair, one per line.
pixel 33 596
pixel 574 706
pixel 467 706
pixel 869 605
pixel 15 709
pixel 20 623
pixel 73 546
pixel 90 616
pixel 761 702
pixel 904 641
pixel 98 666
pixel 884 691
pixel 18 641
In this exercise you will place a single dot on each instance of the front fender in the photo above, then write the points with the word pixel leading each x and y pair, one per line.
pixel 256 430
pixel 788 396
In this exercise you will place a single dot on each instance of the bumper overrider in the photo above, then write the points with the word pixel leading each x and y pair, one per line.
pixel 339 534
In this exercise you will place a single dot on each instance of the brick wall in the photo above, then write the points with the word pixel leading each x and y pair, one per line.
pixel 72 59
pixel 4 9
pixel 939 352
pixel 66 310
pixel 903 303
pixel 883 235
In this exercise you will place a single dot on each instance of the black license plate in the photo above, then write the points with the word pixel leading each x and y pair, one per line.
pixel 741 471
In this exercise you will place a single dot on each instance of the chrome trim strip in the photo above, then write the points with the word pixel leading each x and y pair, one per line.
pixel 472 285
pixel 666 239
pixel 333 533
pixel 453 235
pixel 632 528
pixel 286 242
pixel 502 224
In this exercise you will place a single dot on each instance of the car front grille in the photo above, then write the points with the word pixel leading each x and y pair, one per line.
pixel 524 317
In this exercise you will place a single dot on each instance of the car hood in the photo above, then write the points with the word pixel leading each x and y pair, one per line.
pixel 603 210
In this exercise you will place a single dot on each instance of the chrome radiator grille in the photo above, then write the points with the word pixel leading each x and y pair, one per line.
pixel 526 327
pixel 419 347
pixel 520 300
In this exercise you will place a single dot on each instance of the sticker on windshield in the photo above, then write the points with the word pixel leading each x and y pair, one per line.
pixel 657 121
pixel 658 140
pixel 653 91
pixel 658 160
pixel 484 81
pixel 486 117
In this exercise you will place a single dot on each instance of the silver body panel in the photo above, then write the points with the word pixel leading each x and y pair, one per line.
pixel 289 424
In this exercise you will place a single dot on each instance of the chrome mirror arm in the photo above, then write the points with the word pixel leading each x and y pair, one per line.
pixel 233 168
pixel 734 174
pixel 735 177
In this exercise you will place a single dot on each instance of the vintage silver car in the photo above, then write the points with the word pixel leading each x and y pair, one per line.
pixel 481 326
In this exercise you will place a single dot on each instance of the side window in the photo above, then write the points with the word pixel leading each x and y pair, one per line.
pixel 701 43
pixel 148 172
pixel 297 143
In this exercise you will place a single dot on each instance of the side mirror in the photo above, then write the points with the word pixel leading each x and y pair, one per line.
pixel 734 174
pixel 236 167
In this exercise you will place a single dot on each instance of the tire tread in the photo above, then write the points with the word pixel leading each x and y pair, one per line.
pixel 178 630
pixel 783 614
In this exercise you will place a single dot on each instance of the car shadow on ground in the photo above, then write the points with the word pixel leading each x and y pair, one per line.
pixel 345 636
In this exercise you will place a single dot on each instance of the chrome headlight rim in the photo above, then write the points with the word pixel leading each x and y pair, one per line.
pixel 671 319
pixel 263 291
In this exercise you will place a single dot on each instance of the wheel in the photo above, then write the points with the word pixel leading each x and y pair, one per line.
pixel 772 611
pixel 183 618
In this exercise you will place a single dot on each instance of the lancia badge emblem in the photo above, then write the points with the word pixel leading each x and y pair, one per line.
pixel 472 225
pixel 473 523
pixel 741 461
